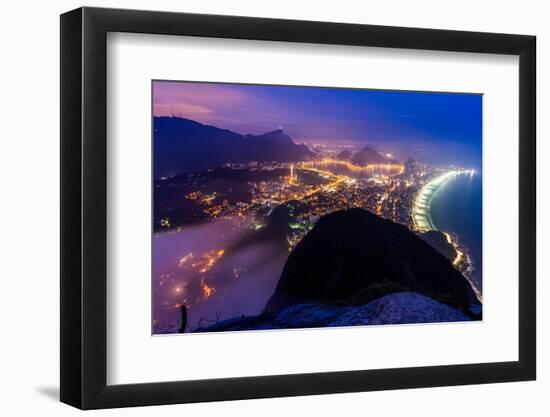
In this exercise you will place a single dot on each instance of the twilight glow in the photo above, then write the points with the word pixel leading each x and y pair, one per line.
pixel 280 207
pixel 434 127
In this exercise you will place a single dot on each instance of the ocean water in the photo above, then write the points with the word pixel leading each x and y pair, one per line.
pixel 457 207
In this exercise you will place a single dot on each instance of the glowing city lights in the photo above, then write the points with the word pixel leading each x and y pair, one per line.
pixel 422 219
pixel 207 291
pixel 391 168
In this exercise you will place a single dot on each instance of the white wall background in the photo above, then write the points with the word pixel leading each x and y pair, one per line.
pixel 29 175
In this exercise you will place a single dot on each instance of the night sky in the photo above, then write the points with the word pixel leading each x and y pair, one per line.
pixel 435 128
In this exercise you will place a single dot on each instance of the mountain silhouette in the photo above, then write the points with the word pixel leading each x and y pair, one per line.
pixel 183 145
pixel 368 155
pixel 345 155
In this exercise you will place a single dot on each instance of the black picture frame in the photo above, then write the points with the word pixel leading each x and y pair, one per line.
pixel 84 207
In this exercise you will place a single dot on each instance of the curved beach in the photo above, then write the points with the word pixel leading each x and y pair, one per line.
pixel 423 222
pixel 421 209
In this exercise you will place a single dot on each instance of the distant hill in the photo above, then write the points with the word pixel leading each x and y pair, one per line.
pixel 368 155
pixel 183 145
pixel 230 184
pixel 352 256
pixel 345 155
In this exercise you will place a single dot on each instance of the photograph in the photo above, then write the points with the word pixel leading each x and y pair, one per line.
pixel 282 207
pixel 245 208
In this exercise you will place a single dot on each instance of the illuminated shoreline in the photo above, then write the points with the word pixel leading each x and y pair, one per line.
pixel 423 222
pixel 422 218
pixel 394 168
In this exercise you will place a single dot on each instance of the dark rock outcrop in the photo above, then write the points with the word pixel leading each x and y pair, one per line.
pixel 438 241
pixel 398 308
pixel 352 256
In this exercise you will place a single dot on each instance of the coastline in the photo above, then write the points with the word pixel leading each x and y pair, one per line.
pixel 422 218
pixel 423 222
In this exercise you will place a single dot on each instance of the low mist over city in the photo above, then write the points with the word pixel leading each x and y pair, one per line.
pixel 282 207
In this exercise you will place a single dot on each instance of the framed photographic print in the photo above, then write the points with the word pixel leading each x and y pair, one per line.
pixel 258 208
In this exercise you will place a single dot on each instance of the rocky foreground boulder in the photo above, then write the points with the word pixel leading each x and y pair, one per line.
pixel 354 269
pixel 397 308
pixel 352 257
